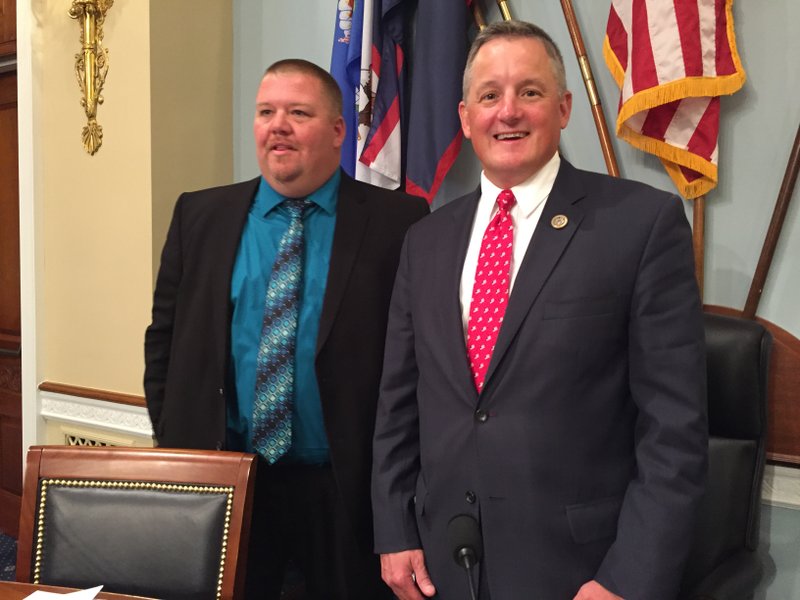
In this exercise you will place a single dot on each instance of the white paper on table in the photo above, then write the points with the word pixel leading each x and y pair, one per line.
pixel 79 595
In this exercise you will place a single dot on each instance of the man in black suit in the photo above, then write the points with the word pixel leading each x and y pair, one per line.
pixel 574 430
pixel 312 504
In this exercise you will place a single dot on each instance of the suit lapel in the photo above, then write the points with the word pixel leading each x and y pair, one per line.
pixel 225 229
pixel 546 247
pixel 352 218
pixel 452 256
pixel 229 223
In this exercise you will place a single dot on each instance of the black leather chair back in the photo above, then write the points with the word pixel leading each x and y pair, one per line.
pixel 723 560
pixel 145 539
pixel 152 522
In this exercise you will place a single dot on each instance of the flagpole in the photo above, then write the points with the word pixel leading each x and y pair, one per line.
pixel 591 88
pixel 698 240
pixel 477 15
pixel 504 10
pixel 774 231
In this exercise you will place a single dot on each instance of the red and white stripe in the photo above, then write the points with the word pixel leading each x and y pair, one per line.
pixel 672 60
pixel 379 163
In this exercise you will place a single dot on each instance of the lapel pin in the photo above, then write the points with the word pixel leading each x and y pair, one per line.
pixel 559 221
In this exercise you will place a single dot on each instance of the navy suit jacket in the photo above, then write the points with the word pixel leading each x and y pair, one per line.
pixel 584 457
pixel 187 346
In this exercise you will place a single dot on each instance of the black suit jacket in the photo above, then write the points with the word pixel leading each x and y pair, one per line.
pixel 585 455
pixel 187 344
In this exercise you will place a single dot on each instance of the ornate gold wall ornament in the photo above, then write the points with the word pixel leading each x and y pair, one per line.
pixel 91 64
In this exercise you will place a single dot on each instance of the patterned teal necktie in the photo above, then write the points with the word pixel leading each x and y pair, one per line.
pixel 272 410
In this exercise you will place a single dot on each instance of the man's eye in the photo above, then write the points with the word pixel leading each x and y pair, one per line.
pixel 489 96
pixel 530 93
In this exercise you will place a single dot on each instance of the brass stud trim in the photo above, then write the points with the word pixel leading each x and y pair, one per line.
pixel 46 484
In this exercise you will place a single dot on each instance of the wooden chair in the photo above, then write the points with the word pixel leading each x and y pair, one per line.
pixel 142 521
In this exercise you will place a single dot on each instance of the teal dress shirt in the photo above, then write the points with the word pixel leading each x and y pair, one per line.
pixel 258 247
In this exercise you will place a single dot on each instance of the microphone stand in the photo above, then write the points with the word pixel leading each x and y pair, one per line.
pixel 467 559
pixel 464 535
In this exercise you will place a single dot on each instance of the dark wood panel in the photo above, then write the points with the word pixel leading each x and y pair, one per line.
pixel 9 208
pixel 9 513
pixel 10 444
pixel 10 456
pixel 10 333
pixel 10 387
pixel 8 90
pixel 8 27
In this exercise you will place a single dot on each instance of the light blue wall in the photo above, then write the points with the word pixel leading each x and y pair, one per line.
pixel 758 128
pixel 266 31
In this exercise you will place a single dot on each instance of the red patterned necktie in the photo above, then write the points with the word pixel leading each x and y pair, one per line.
pixel 490 293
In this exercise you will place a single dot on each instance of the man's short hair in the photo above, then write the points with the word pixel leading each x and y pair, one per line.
pixel 516 29
pixel 297 65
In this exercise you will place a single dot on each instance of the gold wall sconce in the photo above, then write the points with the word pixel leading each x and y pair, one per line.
pixel 91 65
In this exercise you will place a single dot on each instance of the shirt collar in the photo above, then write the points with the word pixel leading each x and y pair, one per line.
pixel 325 196
pixel 531 192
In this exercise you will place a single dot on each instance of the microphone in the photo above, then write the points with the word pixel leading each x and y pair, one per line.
pixel 464 535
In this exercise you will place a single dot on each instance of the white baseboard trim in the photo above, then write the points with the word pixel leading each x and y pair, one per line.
pixel 781 486
pixel 109 416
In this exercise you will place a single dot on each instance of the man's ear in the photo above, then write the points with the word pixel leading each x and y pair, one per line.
pixel 340 129
pixel 565 108
pixel 463 114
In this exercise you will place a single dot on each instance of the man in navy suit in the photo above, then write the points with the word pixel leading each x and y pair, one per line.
pixel 312 505
pixel 575 434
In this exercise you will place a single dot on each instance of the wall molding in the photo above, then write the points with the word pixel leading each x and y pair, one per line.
pixel 781 486
pixel 100 414
pixel 92 393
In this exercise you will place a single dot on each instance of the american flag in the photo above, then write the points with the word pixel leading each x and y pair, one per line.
pixel 672 59
pixel 367 62
pixel 381 109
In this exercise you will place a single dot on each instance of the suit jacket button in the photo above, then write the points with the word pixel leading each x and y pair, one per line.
pixel 470 497
pixel 481 416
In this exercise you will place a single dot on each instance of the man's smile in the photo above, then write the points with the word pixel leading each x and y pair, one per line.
pixel 512 135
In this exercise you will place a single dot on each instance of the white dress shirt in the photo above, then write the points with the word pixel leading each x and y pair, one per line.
pixel 530 195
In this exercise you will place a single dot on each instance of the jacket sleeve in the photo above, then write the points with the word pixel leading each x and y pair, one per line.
pixel 158 336
pixel 668 385
pixel 396 442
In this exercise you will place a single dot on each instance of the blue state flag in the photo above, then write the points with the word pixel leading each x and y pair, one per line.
pixel 346 69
